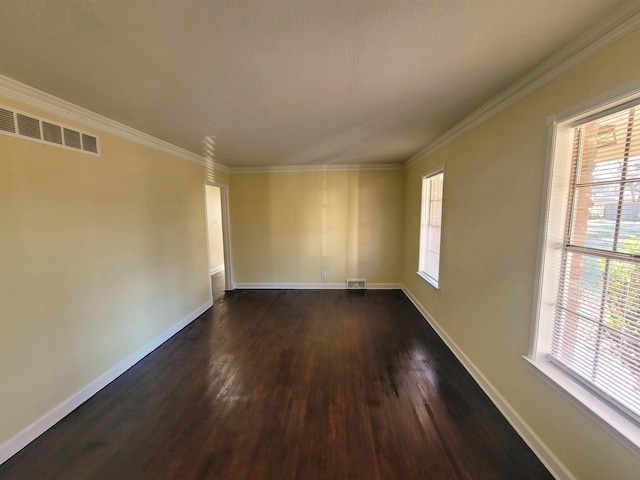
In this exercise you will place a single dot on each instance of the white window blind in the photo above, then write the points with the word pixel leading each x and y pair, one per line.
pixel 596 333
pixel 430 227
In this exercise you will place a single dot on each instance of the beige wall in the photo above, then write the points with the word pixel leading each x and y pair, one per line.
pixel 491 219
pixel 98 256
pixel 214 227
pixel 288 227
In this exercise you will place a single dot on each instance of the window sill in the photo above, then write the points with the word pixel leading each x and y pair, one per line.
pixel 619 425
pixel 429 280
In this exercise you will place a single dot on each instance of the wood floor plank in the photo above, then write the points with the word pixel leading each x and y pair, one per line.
pixel 288 385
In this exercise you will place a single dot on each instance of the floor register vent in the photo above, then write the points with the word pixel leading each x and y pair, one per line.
pixel 356 284
pixel 37 129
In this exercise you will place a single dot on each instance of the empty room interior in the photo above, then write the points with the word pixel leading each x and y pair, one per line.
pixel 333 239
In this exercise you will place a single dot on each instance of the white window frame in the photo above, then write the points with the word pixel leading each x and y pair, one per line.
pixel 553 221
pixel 425 220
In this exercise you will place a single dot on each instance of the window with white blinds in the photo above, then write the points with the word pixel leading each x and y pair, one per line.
pixel 596 327
pixel 430 227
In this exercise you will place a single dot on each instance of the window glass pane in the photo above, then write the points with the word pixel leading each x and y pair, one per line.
pixel 433 261
pixel 582 278
pixel 435 213
pixel 597 328
pixel 433 235
pixel 622 299
pixel 606 142
pixel 436 187
pixel 605 219
pixel 430 228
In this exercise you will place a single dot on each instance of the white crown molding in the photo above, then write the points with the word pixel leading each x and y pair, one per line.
pixel 48 420
pixel 317 168
pixel 583 47
pixel 14 90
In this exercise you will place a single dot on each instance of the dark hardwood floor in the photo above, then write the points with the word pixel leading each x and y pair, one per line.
pixel 288 385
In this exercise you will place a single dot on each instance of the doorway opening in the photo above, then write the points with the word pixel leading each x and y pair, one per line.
pixel 218 239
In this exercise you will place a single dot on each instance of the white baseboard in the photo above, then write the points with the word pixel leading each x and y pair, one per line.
pixel 37 428
pixel 384 286
pixel 290 286
pixel 313 286
pixel 546 456
pixel 219 269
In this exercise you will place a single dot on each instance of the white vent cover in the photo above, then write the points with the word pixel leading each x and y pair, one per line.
pixel 52 133
pixel 7 121
pixel 89 143
pixel 72 138
pixel 356 283
pixel 26 126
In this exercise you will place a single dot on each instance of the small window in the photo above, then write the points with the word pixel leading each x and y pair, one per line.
pixel 430 227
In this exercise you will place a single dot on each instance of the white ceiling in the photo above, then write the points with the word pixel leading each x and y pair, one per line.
pixel 288 82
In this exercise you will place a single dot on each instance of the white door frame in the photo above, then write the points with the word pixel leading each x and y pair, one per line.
pixel 226 233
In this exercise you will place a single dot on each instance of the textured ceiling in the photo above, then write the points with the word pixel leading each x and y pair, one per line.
pixel 287 82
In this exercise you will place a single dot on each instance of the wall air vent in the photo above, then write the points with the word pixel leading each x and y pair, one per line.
pixel 29 127
pixel 72 138
pixel 89 143
pixel 7 122
pixel 356 283
pixel 52 133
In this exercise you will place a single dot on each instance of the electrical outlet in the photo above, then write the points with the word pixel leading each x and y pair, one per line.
pixel 323 274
